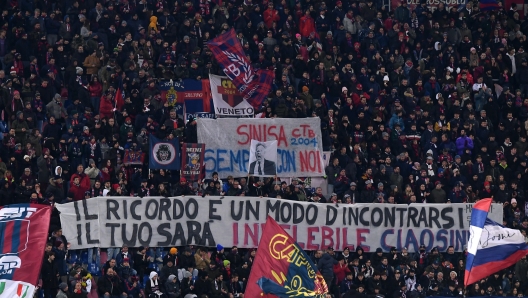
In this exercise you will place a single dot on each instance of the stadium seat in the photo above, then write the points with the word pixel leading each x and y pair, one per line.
pixel 73 257
pixel 163 255
pixel 84 257
pixel 153 265
pixel 94 269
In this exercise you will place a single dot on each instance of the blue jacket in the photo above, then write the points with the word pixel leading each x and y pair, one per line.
pixel 326 265
pixel 396 120
pixel 463 143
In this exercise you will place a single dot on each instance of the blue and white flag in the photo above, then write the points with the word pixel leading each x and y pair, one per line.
pixel 491 247
pixel 164 154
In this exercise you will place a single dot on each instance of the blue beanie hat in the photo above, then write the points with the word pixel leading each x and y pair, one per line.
pixel 219 247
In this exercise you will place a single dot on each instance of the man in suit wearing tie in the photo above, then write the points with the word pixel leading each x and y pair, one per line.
pixel 262 166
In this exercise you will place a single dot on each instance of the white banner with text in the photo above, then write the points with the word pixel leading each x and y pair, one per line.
pixel 227 142
pixel 180 221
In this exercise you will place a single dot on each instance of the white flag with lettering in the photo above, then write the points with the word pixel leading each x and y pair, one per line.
pixel 227 99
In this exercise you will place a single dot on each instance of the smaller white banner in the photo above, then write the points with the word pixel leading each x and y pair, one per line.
pixel 227 100
pixel 263 158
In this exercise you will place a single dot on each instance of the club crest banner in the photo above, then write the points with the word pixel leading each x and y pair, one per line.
pixel 164 154
pixel 190 97
pixel 133 157
pixel 263 158
pixel 192 161
pixel 226 98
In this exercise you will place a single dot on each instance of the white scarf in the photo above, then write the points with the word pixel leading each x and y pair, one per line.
pixel 153 283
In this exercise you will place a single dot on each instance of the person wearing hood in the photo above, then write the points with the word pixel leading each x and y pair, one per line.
pixel 153 286
pixel 65 30
pixel 172 287
pixel 63 291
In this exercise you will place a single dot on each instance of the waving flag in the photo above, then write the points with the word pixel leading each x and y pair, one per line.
pixel 282 269
pixel 491 247
pixel 253 84
pixel 119 101
pixel 23 236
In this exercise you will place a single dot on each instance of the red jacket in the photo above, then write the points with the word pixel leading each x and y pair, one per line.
pixel 77 191
pixel 306 26
pixel 84 181
pixel 106 108
pixel 95 89
pixel 356 97
pixel 340 272
pixel 270 16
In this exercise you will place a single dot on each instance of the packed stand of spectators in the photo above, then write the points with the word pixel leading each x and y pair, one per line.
pixel 418 105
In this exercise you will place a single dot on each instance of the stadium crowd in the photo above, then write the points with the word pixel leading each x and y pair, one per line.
pixel 418 104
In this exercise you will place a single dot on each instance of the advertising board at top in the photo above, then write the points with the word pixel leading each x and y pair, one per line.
pixel 431 4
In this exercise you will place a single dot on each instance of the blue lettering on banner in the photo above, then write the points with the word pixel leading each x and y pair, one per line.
pixel 303 141
pixel 238 160
pixel 407 238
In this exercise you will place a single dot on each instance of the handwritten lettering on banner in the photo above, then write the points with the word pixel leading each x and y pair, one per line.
pixel 227 142
pixel 180 221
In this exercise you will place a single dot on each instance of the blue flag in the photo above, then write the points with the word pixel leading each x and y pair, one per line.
pixel 164 154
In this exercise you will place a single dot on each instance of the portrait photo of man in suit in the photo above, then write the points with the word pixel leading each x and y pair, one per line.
pixel 262 166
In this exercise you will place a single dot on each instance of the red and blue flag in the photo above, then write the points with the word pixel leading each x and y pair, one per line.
pixel 253 84
pixel 282 269
pixel 486 5
pixel 491 247
pixel 23 236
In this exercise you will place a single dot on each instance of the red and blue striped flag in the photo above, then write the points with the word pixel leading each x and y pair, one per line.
pixel 23 236
pixel 491 247
pixel 486 5
pixel 253 84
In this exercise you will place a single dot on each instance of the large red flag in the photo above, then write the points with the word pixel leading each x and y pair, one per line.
pixel 23 234
pixel 282 269
pixel 253 84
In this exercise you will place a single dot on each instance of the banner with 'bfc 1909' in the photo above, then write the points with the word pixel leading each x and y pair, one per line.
pixel 227 143
pixel 229 221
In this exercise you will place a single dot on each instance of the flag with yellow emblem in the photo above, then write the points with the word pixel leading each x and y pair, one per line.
pixel 282 269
